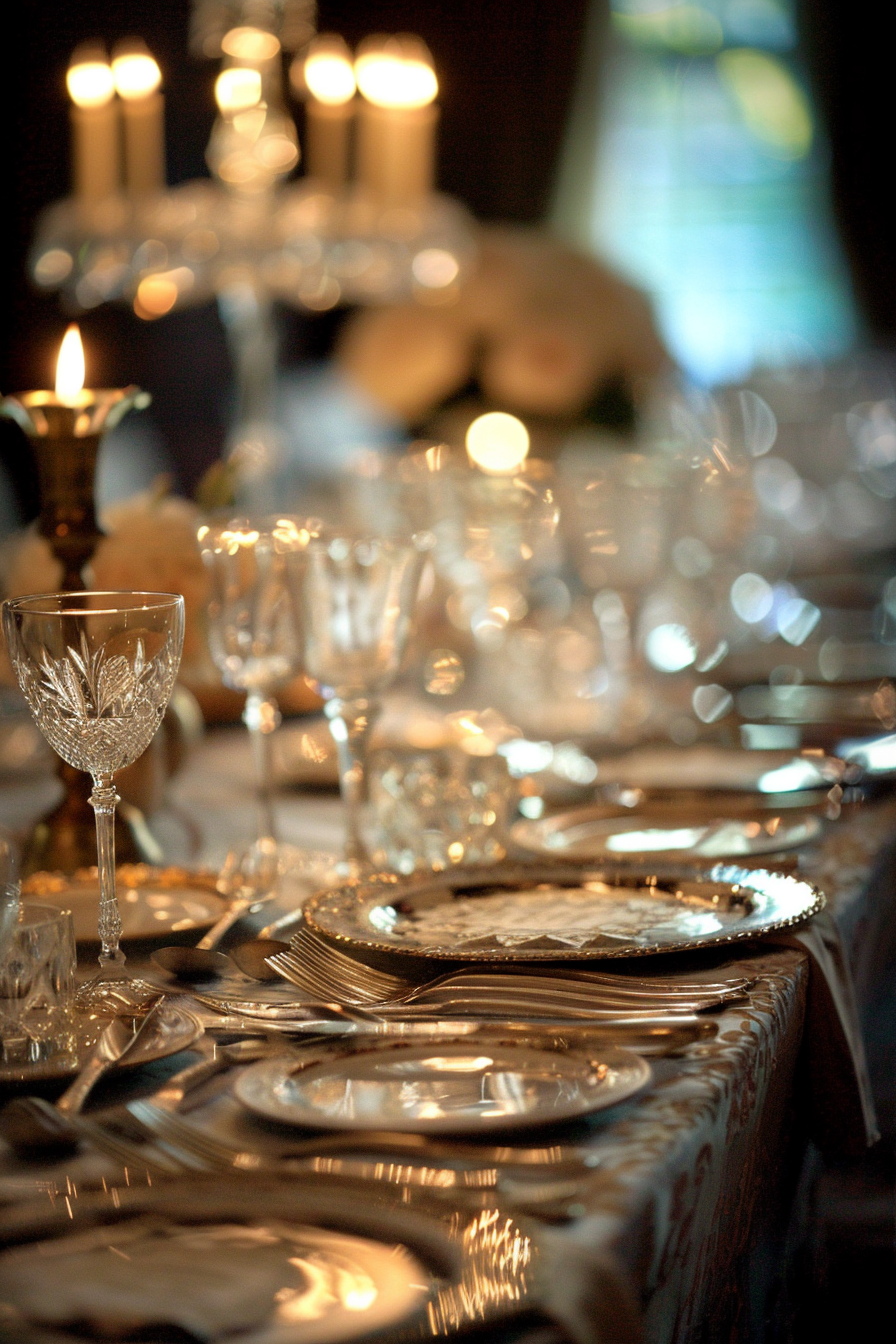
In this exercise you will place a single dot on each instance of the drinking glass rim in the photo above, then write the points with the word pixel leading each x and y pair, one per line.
pixel 50 914
pixel 421 541
pixel 31 603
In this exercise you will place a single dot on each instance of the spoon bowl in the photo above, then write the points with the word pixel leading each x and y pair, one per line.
pixel 251 958
pixel 191 965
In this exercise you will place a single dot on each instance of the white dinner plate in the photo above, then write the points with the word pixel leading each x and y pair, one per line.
pixel 155 902
pixel 598 831
pixel 445 1087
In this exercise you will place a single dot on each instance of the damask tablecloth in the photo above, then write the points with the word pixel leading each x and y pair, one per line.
pixel 680 1232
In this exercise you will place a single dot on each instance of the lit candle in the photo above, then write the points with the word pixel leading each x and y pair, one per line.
pixel 70 370
pixel 327 74
pixel 64 428
pixel 250 44
pixel 94 120
pixel 397 124
pixel 137 78
pixel 497 443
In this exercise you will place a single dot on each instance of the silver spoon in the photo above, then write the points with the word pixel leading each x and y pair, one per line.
pixel 32 1125
pixel 196 965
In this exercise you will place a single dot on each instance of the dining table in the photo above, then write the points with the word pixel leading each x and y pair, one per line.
pixel 689 1214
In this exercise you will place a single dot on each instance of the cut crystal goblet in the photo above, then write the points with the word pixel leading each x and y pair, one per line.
pixel 97 670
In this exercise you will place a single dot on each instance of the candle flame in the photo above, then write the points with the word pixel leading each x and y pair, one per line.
pixel 328 71
pixel 136 75
pixel 250 44
pixel 497 443
pixel 396 72
pixel 90 83
pixel 70 367
pixel 237 89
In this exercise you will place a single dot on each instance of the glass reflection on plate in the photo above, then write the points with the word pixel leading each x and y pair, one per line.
pixel 434 1087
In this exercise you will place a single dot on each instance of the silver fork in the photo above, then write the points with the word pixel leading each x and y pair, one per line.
pixel 327 973
pixel 484 993
pixel 130 1154
pixel 171 1129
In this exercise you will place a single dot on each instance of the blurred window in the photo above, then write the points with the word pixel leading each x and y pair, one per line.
pixel 704 178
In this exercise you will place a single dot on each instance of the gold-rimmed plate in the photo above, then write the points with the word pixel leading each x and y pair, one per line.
pixel 561 911
pixel 600 831
pixel 217 1260
pixel 156 903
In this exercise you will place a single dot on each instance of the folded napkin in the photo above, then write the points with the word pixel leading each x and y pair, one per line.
pixel 843 1121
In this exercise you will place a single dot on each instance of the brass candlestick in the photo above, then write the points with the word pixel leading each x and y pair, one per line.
pixel 65 437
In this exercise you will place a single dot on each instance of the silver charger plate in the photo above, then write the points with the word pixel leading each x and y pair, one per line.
pixel 443 1087
pixel 155 902
pixel 253 1260
pixel 561 911
pixel 706 766
pixel 598 831
pixel 173 1029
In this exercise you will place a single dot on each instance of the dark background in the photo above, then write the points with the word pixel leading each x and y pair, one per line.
pixel 506 70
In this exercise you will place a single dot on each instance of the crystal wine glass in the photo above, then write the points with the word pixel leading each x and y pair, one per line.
pixel 97 670
pixel 356 598
pixel 253 640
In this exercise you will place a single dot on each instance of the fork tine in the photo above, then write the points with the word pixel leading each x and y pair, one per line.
pixel 343 969
pixel 169 1129
pixel 123 1150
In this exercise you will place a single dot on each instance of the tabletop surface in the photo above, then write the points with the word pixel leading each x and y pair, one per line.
pixel 692 1179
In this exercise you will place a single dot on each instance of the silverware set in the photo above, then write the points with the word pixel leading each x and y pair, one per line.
pixel 325 974
pixel 342 997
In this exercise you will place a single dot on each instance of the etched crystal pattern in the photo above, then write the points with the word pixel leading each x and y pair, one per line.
pixel 99 711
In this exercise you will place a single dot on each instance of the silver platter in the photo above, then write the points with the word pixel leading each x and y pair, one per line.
pixel 265 1258
pixel 601 831
pixel 561 911
pixel 441 1087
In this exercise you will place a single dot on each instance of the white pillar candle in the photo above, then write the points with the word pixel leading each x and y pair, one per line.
pixel 137 78
pixel 327 77
pixel 397 120
pixel 94 121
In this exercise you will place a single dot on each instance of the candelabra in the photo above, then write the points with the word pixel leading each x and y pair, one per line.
pixel 246 237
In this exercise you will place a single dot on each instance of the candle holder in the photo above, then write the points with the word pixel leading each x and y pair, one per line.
pixel 65 440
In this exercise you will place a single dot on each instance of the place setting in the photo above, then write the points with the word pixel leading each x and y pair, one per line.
pixel 448 726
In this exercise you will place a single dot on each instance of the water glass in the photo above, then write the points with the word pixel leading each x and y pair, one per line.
pixel 37 988
pixel 438 808
pixel 253 637
pixel 355 600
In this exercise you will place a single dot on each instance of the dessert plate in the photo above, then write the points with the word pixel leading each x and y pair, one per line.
pixel 173 1029
pixel 155 902
pixel 543 911
pixel 442 1087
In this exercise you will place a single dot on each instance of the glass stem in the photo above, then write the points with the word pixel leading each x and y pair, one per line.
pixel 261 716
pixel 103 800
pixel 350 724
